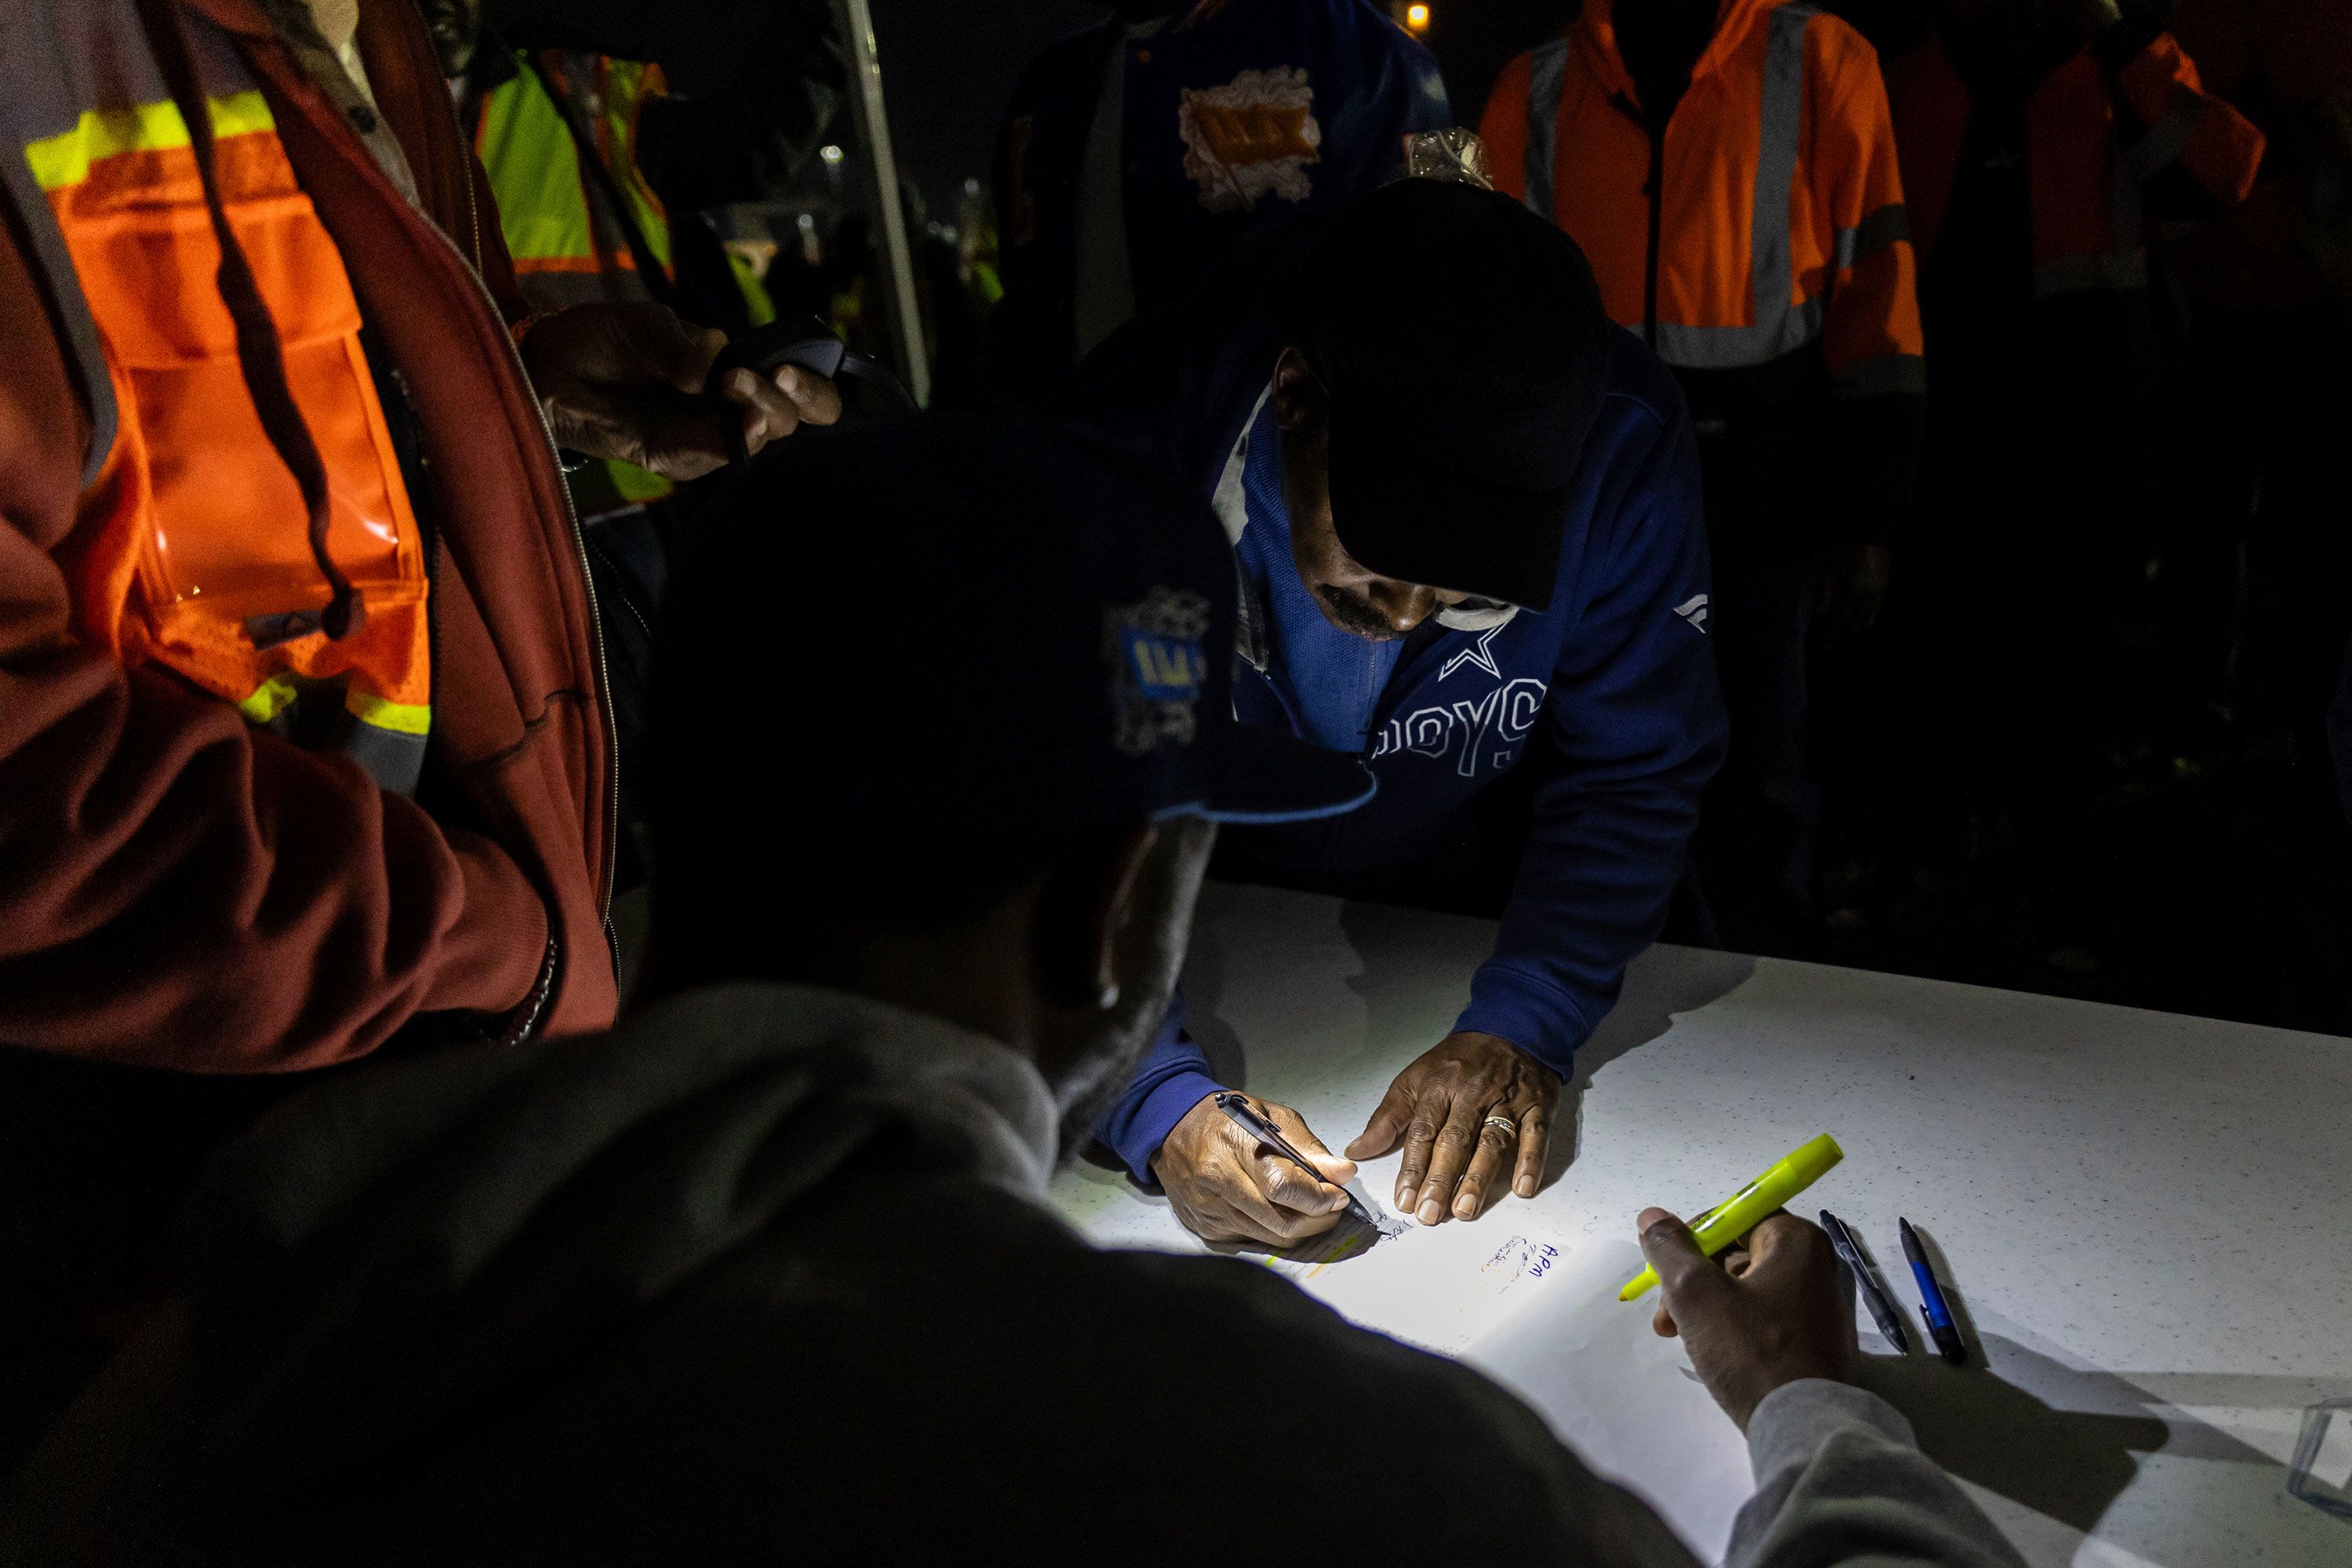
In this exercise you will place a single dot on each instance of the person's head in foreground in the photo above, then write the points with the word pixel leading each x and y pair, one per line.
pixel 767 1273
pixel 971 761
pixel 1445 355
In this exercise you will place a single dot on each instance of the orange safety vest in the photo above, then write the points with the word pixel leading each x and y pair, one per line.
pixel 2082 184
pixel 191 549
pixel 1776 218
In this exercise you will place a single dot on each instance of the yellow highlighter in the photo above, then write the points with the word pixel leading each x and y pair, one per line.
pixel 1738 1215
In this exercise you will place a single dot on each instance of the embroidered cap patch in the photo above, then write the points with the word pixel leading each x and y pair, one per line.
pixel 1251 138
pixel 1156 667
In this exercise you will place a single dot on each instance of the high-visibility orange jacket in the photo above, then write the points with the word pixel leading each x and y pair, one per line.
pixel 2083 180
pixel 1770 217
pixel 1759 245
pixel 181 884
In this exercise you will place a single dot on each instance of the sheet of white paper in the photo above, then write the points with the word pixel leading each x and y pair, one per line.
pixel 1623 1399
pixel 1439 1286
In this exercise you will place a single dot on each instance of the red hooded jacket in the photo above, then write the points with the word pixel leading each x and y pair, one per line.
pixel 180 888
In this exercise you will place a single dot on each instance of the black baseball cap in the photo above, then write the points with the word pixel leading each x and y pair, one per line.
pixel 958 626
pixel 1465 352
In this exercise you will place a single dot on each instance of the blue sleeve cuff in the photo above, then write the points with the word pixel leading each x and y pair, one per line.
pixel 1528 1011
pixel 1155 1116
pixel 1172 1079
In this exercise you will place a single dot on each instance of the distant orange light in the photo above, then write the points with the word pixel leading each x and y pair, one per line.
pixel 1417 17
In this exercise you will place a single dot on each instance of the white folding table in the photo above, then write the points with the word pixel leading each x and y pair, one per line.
pixel 2147 1219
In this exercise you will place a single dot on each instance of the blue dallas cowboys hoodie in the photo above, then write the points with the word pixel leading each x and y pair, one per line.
pixel 1601 714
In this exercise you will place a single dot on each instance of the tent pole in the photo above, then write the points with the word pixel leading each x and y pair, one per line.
pixel 889 213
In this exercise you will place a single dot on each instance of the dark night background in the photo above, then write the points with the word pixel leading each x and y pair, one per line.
pixel 948 65
pixel 2215 869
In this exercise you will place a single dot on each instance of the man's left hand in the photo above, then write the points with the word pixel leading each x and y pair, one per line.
pixel 629 381
pixel 1466 1107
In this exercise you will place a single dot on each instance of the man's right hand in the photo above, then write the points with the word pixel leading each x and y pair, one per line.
pixel 1226 1186
pixel 628 379
pixel 1770 1311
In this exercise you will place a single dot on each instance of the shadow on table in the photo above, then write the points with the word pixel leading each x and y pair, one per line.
pixel 1659 985
pixel 2064 1441
pixel 1396 950
pixel 1204 994
pixel 1994 1422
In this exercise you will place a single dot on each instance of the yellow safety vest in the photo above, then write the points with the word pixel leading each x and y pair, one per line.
pixel 567 248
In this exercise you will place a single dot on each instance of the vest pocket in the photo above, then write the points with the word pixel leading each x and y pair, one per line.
pixel 224 536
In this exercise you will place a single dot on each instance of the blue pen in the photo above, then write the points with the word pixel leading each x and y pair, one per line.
pixel 1932 1305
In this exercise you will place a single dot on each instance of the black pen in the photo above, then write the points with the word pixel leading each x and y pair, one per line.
pixel 1237 1107
pixel 1875 1294
pixel 1933 1305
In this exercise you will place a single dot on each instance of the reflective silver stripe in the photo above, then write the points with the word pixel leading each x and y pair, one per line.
pixel 396 762
pixel 1772 274
pixel 59 59
pixel 1874 233
pixel 1546 73
pixel 1780 328
pixel 2126 267
pixel 2121 269
pixel 1886 374
pixel 1731 348
pixel 51 265
pixel 33 57
pixel 2148 157
pixel 553 290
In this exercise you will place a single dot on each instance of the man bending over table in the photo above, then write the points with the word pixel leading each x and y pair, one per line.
pixel 1465 509
pixel 767 1275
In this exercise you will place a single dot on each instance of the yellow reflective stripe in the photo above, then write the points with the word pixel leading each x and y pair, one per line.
pixel 527 151
pixel 270 698
pixel 625 83
pixel 635 484
pixel 65 159
pixel 400 718
pixel 756 302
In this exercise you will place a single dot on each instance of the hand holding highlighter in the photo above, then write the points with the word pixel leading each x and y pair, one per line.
pixel 1739 1214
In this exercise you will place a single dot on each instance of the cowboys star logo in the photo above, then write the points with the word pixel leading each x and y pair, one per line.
pixel 1480 657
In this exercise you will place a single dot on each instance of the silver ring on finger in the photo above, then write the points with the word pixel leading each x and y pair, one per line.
pixel 1502 1124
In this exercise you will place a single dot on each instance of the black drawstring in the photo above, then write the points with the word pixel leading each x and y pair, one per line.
pixel 259 355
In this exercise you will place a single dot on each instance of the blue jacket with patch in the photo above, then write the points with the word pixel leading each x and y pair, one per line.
pixel 1235 111
pixel 1591 729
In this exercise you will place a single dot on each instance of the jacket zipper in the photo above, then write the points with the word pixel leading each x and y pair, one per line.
pixel 613 826
pixel 580 552
pixel 1654 188
pixel 1656 191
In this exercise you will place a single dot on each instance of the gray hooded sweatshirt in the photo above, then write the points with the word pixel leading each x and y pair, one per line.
pixel 766 1274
